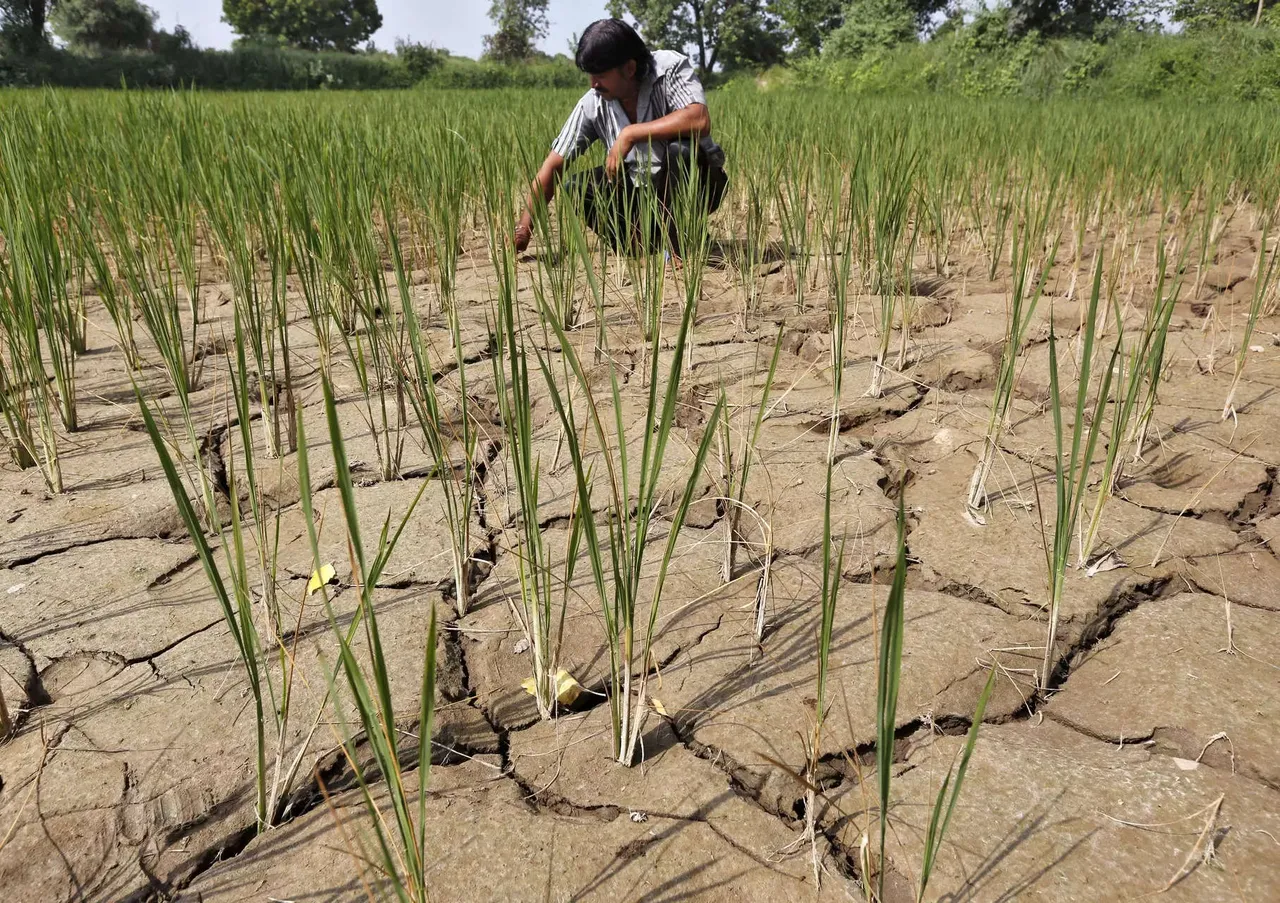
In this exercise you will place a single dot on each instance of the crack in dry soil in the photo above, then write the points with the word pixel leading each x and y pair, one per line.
pixel 150 657
pixel 457 687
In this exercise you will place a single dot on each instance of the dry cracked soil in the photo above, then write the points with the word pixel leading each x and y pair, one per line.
pixel 1147 768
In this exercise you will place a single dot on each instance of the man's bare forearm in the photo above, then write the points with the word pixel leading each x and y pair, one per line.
pixel 693 121
pixel 542 189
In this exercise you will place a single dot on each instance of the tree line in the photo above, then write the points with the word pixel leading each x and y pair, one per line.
pixel 721 36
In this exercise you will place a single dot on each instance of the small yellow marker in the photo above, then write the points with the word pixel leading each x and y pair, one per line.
pixel 567 688
pixel 320 578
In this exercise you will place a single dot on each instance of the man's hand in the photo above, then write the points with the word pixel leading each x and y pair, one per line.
pixel 614 163
pixel 522 236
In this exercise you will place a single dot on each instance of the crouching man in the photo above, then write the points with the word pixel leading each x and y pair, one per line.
pixel 650 110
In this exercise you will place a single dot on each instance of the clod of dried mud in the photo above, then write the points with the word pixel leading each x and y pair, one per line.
pixel 1048 814
pixel 1186 672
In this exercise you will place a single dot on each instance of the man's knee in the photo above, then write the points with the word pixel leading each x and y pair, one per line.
pixel 681 153
pixel 683 159
pixel 582 186
pixel 717 183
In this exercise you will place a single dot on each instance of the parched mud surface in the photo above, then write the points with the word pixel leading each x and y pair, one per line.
pixel 1148 767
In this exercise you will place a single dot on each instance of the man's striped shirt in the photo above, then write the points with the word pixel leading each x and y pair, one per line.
pixel 673 85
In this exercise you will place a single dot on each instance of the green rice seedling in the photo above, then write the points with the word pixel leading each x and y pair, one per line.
pixel 89 248
pixel 265 525
pixel 277 387
pixel 646 265
pixel 437 192
pixel 1154 362
pixel 641 250
pixel 543 594
pixel 737 463
pixel 379 341
pixel 631 501
pixel 795 215
pixel 888 680
pixel 1001 206
pixel 757 176
pixel 832 564
pixel 891 191
pixel 1072 466
pixel 235 597
pixel 36 302
pixel 41 276
pixel 595 270
pixel 1263 274
pixel 400 836
pixel 246 222
pixel 1212 224
pixel 838 206
pixel 15 407
pixel 307 250
pixel 945 804
pixel 337 218
pixel 1032 262
pixel 839 241
pixel 61 193
pixel 30 406
pixel 1089 198
pixel 1142 364
pixel 38 190
pixel 440 434
pixel 907 314
pixel 937 203
pixel 556 272
pixel 690 236
pixel 175 197
pixel 144 263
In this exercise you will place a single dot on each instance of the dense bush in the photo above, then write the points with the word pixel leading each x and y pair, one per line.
pixel 461 72
pixel 246 69
pixel 978 59
pixel 869 26
pixel 982 60
pixel 256 67
pixel 420 59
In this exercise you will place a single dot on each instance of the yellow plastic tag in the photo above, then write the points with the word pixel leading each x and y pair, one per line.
pixel 567 688
pixel 319 578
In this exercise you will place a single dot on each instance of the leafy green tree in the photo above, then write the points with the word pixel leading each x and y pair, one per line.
pixel 1053 18
pixel 751 37
pixel 104 24
pixel 520 25
pixel 808 22
pixel 22 24
pixel 1212 13
pixel 735 33
pixel 420 59
pixel 307 24
pixel 871 25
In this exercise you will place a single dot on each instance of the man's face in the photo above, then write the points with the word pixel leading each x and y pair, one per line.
pixel 615 84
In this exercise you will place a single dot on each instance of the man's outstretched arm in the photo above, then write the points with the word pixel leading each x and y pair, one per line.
pixel 542 190
pixel 693 121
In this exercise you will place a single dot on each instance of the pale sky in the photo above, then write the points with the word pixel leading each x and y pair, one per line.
pixel 457 25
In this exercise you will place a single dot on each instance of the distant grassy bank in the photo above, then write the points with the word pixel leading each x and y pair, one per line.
pixel 978 60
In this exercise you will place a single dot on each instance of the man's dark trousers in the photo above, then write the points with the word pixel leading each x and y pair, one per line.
pixel 615 209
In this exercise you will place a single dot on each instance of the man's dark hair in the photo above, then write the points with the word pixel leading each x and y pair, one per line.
pixel 609 43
